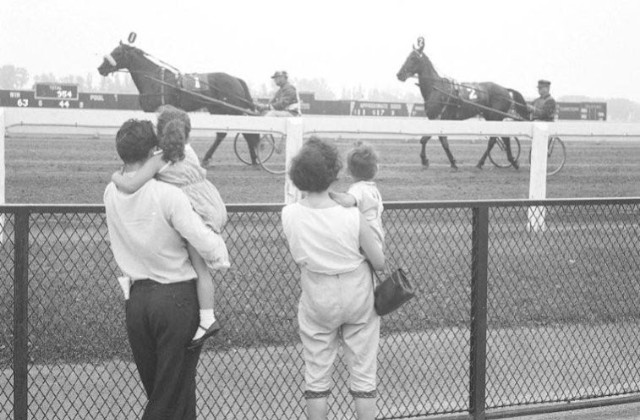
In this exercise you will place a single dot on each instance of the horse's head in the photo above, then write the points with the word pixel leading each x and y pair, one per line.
pixel 119 58
pixel 414 63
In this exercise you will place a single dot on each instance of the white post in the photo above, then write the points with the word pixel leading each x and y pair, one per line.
pixel 538 176
pixel 295 130
pixel 2 173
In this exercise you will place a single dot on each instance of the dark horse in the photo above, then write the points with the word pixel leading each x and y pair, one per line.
pixel 446 100
pixel 160 84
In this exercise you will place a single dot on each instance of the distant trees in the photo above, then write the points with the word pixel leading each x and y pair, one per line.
pixel 12 77
pixel 319 87
pixel 355 93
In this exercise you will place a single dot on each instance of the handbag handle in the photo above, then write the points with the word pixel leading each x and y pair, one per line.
pixel 404 280
pixel 375 279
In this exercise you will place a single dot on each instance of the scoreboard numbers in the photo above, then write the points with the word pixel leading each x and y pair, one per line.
pixel 60 91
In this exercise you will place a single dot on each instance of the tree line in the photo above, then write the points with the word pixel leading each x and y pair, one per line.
pixel 12 77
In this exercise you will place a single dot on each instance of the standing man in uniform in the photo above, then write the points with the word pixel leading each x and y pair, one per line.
pixel 285 103
pixel 149 231
pixel 543 108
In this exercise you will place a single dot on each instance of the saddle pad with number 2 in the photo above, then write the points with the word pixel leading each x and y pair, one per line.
pixel 472 92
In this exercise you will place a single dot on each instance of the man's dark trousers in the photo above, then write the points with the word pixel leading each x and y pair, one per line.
pixel 161 321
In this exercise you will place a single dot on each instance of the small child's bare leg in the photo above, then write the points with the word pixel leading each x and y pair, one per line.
pixel 205 289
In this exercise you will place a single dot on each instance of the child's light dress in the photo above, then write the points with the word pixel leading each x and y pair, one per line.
pixel 203 195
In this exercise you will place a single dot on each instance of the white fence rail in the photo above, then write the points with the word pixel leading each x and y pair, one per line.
pixel 101 122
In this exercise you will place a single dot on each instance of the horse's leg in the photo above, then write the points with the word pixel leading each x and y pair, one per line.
pixel 423 153
pixel 492 142
pixel 212 149
pixel 445 145
pixel 252 142
pixel 507 146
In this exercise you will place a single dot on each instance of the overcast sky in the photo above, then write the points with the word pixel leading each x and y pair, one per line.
pixel 585 47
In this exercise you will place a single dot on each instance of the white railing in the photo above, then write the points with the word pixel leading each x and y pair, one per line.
pixel 101 122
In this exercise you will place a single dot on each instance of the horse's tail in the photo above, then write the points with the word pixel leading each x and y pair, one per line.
pixel 247 94
pixel 520 104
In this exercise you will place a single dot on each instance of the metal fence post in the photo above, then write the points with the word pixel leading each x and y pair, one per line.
pixel 20 314
pixel 478 356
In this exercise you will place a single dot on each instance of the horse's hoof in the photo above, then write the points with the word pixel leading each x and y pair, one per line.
pixel 454 168
pixel 479 167
pixel 515 165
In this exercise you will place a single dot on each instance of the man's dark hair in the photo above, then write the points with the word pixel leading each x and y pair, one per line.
pixel 135 139
pixel 316 166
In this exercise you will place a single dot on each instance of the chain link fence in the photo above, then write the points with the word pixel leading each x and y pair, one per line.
pixel 562 314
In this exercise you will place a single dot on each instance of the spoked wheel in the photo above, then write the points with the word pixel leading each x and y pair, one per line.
pixel 556 156
pixel 498 154
pixel 271 153
pixel 241 148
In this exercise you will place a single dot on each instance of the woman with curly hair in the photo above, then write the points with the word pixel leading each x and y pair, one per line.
pixel 177 164
pixel 336 303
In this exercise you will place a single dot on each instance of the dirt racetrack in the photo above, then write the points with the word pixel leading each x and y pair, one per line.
pixel 76 170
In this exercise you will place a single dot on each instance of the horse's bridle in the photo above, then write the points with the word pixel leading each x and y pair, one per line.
pixel 162 69
pixel 111 60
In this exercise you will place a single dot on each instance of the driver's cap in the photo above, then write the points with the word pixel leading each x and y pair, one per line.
pixel 280 73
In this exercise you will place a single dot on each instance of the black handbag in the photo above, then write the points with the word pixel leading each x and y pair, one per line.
pixel 393 292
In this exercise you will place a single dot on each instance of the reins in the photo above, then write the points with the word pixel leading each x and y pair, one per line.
pixel 448 103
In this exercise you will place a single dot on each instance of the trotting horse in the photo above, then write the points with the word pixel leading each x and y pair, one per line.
pixel 446 100
pixel 160 84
